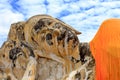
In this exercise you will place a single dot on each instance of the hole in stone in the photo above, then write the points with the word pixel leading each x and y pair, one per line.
pixel 48 36
pixel 78 76
pixel 3 55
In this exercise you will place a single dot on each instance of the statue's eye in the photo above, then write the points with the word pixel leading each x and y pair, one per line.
pixel 48 36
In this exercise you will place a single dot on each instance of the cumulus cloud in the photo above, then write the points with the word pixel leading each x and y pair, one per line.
pixel 84 15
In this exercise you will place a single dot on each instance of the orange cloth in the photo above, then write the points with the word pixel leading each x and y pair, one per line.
pixel 105 48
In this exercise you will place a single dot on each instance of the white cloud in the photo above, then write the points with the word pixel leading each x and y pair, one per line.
pixel 34 9
pixel 7 18
pixel 87 35
pixel 56 2
pixel 29 2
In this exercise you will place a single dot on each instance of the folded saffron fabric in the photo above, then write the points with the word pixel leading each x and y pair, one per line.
pixel 105 47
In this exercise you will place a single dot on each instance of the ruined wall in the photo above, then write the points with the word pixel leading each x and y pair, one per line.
pixel 45 48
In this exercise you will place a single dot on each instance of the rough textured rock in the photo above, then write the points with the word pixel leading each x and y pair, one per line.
pixel 45 48
pixel 86 65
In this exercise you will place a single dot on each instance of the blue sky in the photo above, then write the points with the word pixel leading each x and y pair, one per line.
pixel 84 15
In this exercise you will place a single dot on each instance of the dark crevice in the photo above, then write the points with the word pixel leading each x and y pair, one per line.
pixel 30 49
pixel 48 36
pixel 42 23
pixel 13 54
pixel 74 60
pixel 78 76
pixel 34 40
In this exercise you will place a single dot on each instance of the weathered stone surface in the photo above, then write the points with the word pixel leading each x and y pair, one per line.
pixel 45 48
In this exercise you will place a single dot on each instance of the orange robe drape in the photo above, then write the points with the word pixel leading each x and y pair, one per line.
pixel 105 48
